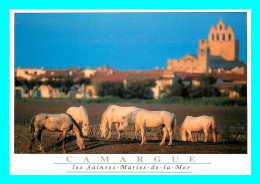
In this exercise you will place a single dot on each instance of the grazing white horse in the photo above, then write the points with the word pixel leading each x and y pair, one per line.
pixel 80 115
pixel 113 114
pixel 150 119
pixel 196 124
pixel 61 123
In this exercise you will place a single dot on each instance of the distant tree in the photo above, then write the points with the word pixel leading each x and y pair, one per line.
pixel 55 82
pixel 243 91
pixel 34 82
pixel 110 89
pixel 139 89
pixel 18 82
pixel 207 80
pixel 28 83
pixel 66 84
pixel 85 81
pixel 196 92
pixel 206 87
pixel 177 89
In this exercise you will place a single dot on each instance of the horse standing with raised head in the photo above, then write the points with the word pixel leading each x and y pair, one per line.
pixel 191 124
pixel 113 114
pixel 151 119
pixel 80 115
pixel 61 123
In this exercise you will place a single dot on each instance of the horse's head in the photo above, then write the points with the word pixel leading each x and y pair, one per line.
pixel 80 143
pixel 123 124
pixel 182 134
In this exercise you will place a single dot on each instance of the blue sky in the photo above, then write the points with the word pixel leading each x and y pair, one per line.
pixel 121 40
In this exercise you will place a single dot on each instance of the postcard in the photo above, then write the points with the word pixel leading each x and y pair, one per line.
pixel 130 92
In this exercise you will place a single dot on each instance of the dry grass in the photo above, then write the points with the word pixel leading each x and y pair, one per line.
pixel 231 125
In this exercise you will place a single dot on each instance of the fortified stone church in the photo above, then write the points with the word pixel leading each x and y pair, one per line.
pixel 220 52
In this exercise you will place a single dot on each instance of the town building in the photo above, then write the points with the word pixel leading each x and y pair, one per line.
pixel 220 52
pixel 29 73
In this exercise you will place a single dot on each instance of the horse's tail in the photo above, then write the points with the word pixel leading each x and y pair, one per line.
pixel 213 128
pixel 32 125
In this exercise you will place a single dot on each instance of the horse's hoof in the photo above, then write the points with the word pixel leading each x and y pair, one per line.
pixel 161 144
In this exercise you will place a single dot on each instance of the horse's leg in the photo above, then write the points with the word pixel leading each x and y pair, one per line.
pixel 64 141
pixel 190 136
pixel 33 135
pixel 59 135
pixel 135 134
pixel 170 133
pixel 109 129
pixel 206 134
pixel 39 136
pixel 138 135
pixel 164 136
pixel 118 132
pixel 143 135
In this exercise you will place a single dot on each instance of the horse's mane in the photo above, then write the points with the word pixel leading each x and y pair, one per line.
pixel 130 114
pixel 75 124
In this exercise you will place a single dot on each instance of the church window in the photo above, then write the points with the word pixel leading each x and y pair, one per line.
pixel 224 36
pixel 217 36
pixel 220 27
pixel 229 36
pixel 212 36
pixel 26 72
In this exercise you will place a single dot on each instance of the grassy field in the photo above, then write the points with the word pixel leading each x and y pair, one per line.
pixel 232 116
pixel 218 101
pixel 231 122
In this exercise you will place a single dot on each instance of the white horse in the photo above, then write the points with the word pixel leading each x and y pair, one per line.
pixel 80 115
pixel 150 119
pixel 61 123
pixel 196 124
pixel 113 114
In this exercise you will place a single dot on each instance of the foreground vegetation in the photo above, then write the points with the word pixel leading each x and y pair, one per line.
pixel 219 101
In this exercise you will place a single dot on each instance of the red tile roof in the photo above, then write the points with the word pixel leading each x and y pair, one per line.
pixel 145 75
pixel 115 77
pixel 184 75
pixel 231 77
pixel 54 73
pixel 79 75
pixel 226 85
pixel 20 78
pixel 224 76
